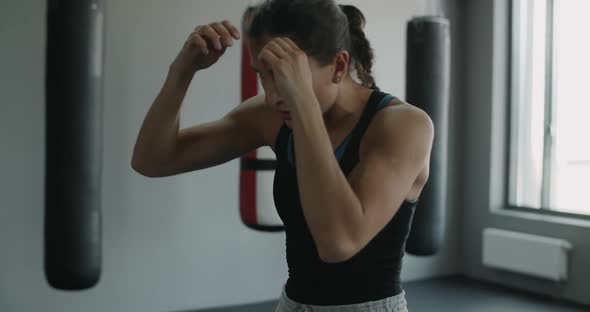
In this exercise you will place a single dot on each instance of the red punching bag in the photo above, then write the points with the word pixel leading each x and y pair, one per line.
pixel 257 208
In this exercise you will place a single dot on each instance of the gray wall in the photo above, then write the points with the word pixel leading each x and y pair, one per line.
pixel 168 244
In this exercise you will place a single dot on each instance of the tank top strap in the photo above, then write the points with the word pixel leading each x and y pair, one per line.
pixel 377 101
pixel 385 102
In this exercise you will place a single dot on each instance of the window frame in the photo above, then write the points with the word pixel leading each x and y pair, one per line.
pixel 549 116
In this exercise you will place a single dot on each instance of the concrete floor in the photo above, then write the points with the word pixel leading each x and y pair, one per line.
pixel 453 294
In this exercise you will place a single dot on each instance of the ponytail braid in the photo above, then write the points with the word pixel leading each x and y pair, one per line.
pixel 362 55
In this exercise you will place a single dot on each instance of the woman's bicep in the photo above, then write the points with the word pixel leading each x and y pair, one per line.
pixel 210 144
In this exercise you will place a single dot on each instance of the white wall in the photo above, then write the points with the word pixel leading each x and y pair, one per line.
pixel 168 244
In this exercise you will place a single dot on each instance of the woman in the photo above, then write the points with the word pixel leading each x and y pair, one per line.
pixel 352 160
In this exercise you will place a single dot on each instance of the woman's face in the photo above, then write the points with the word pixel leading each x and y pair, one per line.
pixel 324 87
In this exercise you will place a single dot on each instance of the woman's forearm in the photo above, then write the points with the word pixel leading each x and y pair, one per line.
pixel 330 206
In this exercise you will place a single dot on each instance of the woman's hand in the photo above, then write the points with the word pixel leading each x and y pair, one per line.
pixel 204 46
pixel 290 70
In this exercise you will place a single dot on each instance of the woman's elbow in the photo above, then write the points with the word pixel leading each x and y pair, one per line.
pixel 142 168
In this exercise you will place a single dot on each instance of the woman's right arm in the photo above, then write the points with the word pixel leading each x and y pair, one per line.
pixel 163 149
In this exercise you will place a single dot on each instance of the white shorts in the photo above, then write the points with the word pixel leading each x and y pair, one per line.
pixel 395 303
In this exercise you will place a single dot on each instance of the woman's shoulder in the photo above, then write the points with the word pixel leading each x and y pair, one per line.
pixel 400 118
pixel 398 108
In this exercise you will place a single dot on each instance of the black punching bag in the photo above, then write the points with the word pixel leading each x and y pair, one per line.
pixel 427 87
pixel 73 143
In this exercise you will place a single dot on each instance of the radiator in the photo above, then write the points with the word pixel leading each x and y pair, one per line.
pixel 534 255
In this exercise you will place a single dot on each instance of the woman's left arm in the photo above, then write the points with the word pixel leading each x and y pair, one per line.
pixel 343 215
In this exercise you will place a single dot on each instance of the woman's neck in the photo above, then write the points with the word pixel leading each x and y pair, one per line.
pixel 349 105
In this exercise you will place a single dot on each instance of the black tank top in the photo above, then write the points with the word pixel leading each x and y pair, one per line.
pixel 374 272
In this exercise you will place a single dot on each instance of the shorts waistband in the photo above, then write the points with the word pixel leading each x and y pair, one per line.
pixel 397 302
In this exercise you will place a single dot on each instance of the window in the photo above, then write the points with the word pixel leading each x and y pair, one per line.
pixel 550 106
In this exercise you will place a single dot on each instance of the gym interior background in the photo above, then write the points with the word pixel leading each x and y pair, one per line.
pixel 178 244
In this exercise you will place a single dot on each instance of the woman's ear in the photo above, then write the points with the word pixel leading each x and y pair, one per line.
pixel 341 65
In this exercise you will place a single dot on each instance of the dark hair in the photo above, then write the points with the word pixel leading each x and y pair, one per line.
pixel 362 52
pixel 321 28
